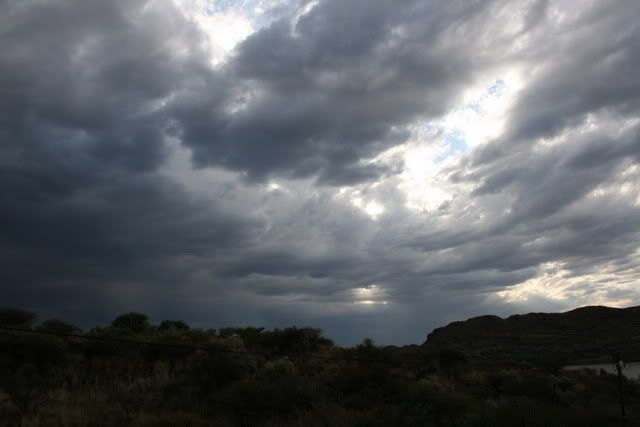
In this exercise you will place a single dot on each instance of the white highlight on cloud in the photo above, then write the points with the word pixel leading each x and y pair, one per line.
pixel 421 181
pixel 485 109
pixel 607 285
pixel 437 145
pixel 272 186
pixel 371 207
pixel 626 185
pixel 225 27
pixel 372 294
pixel 362 198
pixel 305 9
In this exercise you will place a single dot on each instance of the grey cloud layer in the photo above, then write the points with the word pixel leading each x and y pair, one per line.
pixel 316 97
pixel 105 102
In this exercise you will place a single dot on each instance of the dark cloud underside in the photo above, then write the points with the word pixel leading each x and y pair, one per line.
pixel 137 175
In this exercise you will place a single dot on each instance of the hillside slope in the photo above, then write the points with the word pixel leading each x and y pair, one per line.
pixel 584 334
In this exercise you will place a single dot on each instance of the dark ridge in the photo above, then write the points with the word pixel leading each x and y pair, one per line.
pixel 591 333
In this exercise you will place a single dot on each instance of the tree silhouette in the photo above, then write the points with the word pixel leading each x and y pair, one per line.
pixel 132 322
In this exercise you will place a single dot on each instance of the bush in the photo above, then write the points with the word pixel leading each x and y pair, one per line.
pixel 131 322
pixel 175 325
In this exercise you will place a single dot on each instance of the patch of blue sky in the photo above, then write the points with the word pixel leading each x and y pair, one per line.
pixel 455 144
pixel 475 106
pixel 430 127
pixel 498 88
pixel 454 138
pixel 211 7
pixel 256 11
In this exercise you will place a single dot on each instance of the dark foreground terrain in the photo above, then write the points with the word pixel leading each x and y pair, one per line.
pixel 135 373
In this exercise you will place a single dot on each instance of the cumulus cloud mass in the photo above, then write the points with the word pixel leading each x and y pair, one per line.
pixel 373 168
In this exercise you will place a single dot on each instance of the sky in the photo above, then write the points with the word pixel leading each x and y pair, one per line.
pixel 373 168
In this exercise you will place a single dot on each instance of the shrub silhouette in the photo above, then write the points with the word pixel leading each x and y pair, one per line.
pixel 176 325
pixel 132 322
pixel 49 380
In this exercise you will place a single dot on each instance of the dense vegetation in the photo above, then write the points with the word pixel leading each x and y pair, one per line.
pixel 61 380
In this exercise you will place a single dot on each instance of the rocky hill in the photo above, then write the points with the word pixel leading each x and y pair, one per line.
pixel 591 333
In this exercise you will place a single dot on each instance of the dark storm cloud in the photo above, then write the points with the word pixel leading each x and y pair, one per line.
pixel 105 104
pixel 130 229
pixel 84 77
pixel 545 181
pixel 315 97
pixel 588 64
pixel 585 72
pixel 550 214
pixel 86 220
